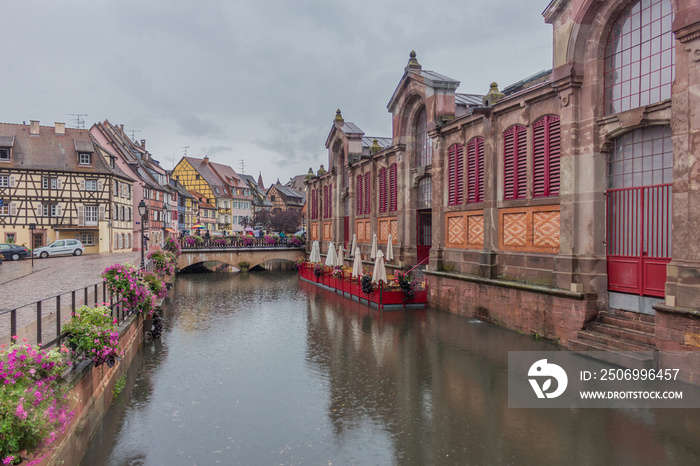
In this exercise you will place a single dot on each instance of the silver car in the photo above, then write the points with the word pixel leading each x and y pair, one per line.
pixel 60 247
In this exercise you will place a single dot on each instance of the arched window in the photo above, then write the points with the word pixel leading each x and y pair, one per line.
pixel 360 198
pixel 546 143
pixel 515 162
pixel 382 190
pixel 425 193
pixel 393 192
pixel 639 56
pixel 325 201
pixel 455 174
pixel 475 170
pixel 329 202
pixel 424 145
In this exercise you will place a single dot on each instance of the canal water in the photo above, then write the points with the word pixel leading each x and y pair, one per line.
pixel 260 369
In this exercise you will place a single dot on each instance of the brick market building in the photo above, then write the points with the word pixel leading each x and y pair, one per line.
pixel 541 205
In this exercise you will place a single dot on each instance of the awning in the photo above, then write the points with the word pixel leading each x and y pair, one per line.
pixel 170 230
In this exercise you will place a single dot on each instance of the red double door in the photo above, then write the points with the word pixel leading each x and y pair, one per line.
pixel 638 239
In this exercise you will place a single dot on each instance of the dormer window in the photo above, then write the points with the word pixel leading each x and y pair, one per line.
pixel 84 158
pixel 4 154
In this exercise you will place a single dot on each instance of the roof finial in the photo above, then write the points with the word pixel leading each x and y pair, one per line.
pixel 412 61
pixel 493 96
pixel 375 147
pixel 338 117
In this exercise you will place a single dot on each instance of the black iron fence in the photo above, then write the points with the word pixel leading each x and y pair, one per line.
pixel 218 242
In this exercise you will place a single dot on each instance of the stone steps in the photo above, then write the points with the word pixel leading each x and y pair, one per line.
pixel 614 335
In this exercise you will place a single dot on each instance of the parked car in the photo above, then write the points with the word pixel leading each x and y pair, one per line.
pixel 12 251
pixel 60 247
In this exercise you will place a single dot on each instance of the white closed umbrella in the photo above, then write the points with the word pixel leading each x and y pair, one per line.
pixel 315 253
pixel 330 255
pixel 357 264
pixel 389 250
pixel 341 256
pixel 354 245
pixel 374 247
pixel 379 272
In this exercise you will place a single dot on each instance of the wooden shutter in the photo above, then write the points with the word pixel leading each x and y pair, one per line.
pixel 81 215
pixel 59 210
pixel 13 208
pixel 12 181
pixel 102 211
pixel 514 158
pixel 392 188
pixel 59 183
pixel 330 201
pixel 475 170
pixel 382 190
pixel 546 145
pixel 367 199
pixel 39 211
pixel 82 184
pixel 455 168
pixel 359 210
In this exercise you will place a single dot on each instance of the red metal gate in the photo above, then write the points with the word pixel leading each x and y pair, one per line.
pixel 638 239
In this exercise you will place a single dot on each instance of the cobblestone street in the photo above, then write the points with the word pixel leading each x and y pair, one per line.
pixel 22 284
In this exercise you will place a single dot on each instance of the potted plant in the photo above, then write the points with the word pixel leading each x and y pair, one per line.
pixel 93 334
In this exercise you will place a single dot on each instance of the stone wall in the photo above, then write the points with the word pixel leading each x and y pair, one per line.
pixel 92 395
pixel 548 313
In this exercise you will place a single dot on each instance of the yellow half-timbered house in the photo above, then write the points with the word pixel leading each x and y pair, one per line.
pixel 56 184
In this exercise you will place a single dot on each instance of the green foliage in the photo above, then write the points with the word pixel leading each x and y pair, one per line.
pixel 119 385
pixel 92 333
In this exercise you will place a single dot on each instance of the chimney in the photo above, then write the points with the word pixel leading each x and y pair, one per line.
pixel 143 143
pixel 34 127
pixel 121 129
pixel 206 160
pixel 60 128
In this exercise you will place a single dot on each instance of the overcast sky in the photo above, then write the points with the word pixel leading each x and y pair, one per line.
pixel 257 81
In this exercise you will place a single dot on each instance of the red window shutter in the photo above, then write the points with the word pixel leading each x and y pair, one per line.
pixel 359 210
pixel 367 201
pixel 455 174
pixel 546 137
pixel 330 201
pixel 392 189
pixel 324 212
pixel 515 162
pixel 475 167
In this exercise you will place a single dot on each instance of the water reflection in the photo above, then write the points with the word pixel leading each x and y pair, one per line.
pixel 259 369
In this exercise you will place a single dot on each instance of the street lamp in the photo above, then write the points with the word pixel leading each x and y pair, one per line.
pixel 143 211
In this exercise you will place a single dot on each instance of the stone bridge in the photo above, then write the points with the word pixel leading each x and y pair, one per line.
pixel 235 255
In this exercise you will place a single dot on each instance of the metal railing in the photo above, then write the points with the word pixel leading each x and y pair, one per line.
pixel 41 322
pixel 239 243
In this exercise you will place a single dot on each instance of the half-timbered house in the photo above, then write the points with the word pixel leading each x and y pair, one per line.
pixel 55 184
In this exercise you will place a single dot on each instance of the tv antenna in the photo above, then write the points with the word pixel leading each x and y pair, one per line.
pixel 79 122
pixel 184 149
pixel 242 167
pixel 133 134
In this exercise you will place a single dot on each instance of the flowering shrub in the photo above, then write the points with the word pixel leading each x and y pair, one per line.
pixel 298 263
pixel 219 241
pixel 271 240
pixel 33 402
pixel 190 241
pixel 296 241
pixel 406 283
pixel 366 283
pixel 162 264
pixel 126 282
pixel 318 269
pixel 92 333
pixel 171 245
pixel 155 284
pixel 337 271
pixel 247 241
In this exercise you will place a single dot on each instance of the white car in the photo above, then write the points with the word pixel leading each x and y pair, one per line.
pixel 60 247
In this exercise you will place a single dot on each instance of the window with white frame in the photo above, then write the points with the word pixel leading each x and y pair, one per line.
pixel 10 238
pixel 4 181
pixel 5 153
pixel 90 185
pixel 55 210
pixel 91 215
pixel 88 239
pixel 84 158
pixel 4 210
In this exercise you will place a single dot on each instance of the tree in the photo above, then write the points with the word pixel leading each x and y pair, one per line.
pixel 285 220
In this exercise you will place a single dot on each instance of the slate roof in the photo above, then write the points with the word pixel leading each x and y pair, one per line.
pixel 383 142
pixel 293 197
pixel 206 171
